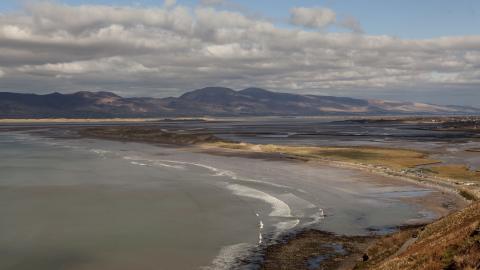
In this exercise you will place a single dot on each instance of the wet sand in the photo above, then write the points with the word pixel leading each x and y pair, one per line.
pixel 354 188
pixel 441 203
pixel 312 248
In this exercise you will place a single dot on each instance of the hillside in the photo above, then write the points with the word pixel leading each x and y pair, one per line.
pixel 453 242
pixel 213 101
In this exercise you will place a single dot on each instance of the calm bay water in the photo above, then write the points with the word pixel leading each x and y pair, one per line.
pixel 93 204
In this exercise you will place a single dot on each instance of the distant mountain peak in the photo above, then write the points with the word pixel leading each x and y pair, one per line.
pixel 256 92
pixel 214 101
pixel 99 94
pixel 209 94
pixel 211 91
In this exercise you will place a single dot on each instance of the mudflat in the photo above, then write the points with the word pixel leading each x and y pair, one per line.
pixel 399 176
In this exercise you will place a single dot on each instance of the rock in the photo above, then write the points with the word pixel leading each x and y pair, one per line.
pixel 475 232
pixel 365 257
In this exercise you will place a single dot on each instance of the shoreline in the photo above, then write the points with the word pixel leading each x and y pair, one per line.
pixel 441 183
pixel 395 179
pixel 356 245
pixel 73 120
pixel 98 120
pixel 206 143
pixel 398 241
pixel 272 254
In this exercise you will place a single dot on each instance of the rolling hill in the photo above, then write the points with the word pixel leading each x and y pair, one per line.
pixel 209 101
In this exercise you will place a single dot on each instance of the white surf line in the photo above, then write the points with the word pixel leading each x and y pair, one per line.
pixel 316 218
pixel 279 207
pixel 285 226
pixel 153 162
pixel 228 254
pixel 300 203
pixel 216 171
pixel 232 175
pixel 168 165
pixel 99 151
pixel 138 163
pixel 227 257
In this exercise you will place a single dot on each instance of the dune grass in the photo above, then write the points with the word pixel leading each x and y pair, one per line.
pixel 457 172
pixel 395 159
pixel 386 157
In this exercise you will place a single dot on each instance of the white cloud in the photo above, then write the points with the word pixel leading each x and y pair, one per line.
pixel 312 17
pixel 351 23
pixel 14 32
pixel 211 2
pixel 60 47
pixel 170 3
pixel 104 65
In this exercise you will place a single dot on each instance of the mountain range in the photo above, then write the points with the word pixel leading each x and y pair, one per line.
pixel 209 101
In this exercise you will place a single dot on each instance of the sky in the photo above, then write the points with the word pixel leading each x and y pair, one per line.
pixel 427 51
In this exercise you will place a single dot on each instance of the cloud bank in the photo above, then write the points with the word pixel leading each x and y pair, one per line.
pixel 312 17
pixel 165 51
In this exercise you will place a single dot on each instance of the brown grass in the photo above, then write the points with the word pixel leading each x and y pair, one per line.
pixel 452 242
pixel 385 247
pixel 386 157
pixel 458 172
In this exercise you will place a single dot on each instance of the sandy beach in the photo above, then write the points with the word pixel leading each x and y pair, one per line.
pixel 438 204
pixel 345 246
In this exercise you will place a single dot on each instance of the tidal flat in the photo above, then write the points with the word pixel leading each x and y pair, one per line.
pixel 83 201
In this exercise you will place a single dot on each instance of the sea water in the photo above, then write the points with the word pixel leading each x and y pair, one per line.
pixel 96 204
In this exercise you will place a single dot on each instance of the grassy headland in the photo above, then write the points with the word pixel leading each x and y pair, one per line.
pixel 453 242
